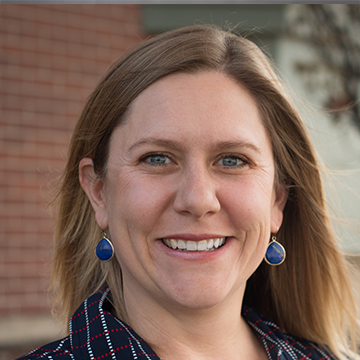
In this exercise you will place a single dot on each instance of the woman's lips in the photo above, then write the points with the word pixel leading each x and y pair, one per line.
pixel 190 245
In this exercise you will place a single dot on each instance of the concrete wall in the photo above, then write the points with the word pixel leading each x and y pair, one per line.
pixel 337 144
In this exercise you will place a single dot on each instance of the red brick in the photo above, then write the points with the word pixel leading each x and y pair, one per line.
pixel 52 57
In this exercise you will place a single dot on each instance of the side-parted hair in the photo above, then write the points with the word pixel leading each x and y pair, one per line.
pixel 309 295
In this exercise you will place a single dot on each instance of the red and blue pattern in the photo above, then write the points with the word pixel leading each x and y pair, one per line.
pixel 96 334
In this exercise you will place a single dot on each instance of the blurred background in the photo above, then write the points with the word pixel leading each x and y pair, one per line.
pixel 52 56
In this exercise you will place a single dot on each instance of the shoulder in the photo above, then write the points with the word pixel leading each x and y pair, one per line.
pixel 305 349
pixel 279 345
pixel 61 349
pixel 95 334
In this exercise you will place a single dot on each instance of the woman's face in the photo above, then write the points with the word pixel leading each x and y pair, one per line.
pixel 191 168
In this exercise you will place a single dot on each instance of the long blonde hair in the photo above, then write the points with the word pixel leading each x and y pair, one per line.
pixel 307 296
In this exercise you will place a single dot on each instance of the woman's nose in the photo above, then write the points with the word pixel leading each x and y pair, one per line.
pixel 196 194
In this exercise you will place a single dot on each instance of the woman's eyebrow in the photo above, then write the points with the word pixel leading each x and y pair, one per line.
pixel 218 146
pixel 155 141
pixel 224 145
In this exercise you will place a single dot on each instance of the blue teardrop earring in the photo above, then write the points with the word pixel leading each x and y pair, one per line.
pixel 104 250
pixel 275 252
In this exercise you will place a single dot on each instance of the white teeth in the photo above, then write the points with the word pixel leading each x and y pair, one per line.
pixel 181 244
pixel 202 245
pixel 173 244
pixel 191 246
pixel 188 245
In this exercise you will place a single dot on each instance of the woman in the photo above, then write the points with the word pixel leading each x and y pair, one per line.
pixel 190 164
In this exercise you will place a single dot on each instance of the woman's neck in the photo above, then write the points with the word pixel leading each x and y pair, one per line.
pixel 176 333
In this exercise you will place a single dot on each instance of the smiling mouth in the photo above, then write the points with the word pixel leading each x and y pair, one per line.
pixel 189 245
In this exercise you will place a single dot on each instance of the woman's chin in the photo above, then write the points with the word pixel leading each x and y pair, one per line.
pixel 198 281
pixel 200 293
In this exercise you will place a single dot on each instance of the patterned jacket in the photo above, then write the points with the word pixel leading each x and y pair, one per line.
pixel 96 334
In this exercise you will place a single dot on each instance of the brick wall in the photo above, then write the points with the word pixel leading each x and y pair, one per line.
pixel 51 57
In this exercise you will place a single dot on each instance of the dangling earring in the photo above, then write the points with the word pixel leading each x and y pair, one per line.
pixel 104 249
pixel 275 253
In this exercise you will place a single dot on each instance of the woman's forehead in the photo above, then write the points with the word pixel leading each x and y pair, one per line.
pixel 194 107
pixel 207 87
pixel 197 96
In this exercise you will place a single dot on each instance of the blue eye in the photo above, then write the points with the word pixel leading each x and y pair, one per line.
pixel 231 161
pixel 157 159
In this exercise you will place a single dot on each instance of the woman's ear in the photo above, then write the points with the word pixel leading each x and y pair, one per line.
pixel 281 196
pixel 94 189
